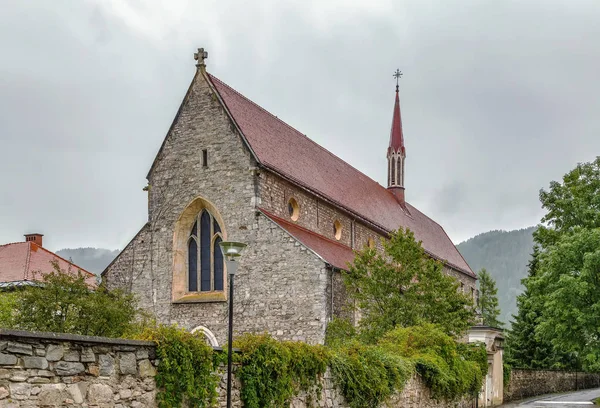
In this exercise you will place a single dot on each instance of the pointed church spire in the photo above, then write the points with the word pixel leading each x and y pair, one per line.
pixel 396 153
pixel 396 136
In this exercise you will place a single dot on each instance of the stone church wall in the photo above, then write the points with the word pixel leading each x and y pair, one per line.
pixel 280 287
pixel 315 214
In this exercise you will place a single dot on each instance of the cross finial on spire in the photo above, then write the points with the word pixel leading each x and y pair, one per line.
pixel 397 75
pixel 200 56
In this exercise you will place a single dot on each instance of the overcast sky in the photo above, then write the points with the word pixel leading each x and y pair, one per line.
pixel 498 98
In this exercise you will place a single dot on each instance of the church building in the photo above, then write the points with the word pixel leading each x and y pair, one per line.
pixel 228 170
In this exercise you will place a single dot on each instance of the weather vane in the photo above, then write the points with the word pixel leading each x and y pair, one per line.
pixel 397 75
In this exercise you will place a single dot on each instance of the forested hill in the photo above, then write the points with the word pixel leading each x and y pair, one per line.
pixel 91 259
pixel 505 255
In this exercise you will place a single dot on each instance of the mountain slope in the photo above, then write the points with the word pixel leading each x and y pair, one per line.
pixel 91 259
pixel 505 255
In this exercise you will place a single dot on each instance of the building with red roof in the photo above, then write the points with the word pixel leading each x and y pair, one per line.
pixel 230 170
pixel 25 263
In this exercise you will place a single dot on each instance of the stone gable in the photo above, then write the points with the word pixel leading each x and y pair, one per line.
pixel 281 286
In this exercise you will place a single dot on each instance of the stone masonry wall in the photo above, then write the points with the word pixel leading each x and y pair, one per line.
pixel 281 287
pixel 317 215
pixel 414 395
pixel 53 370
pixel 62 370
pixel 529 383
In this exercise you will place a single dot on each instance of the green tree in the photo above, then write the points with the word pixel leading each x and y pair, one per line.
pixel 488 299
pixel 525 349
pixel 405 287
pixel 570 279
pixel 573 203
pixel 557 323
pixel 64 303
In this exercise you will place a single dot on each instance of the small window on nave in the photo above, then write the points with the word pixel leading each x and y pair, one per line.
pixel 337 230
pixel 371 243
pixel 293 209
pixel 205 260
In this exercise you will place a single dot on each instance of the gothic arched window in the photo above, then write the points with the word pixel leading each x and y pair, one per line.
pixel 205 259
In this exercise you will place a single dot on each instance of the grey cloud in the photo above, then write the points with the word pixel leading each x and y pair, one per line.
pixel 498 98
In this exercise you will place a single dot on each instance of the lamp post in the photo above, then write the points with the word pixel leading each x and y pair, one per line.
pixel 231 252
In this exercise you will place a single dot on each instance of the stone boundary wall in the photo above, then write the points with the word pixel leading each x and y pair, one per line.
pixel 414 395
pixel 529 383
pixel 64 370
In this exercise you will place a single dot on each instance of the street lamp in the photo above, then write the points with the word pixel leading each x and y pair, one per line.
pixel 231 251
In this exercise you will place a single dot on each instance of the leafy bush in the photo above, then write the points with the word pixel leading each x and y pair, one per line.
pixel 64 303
pixel 450 369
pixel 272 372
pixel 368 375
pixel 187 367
pixel 339 331
pixel 8 305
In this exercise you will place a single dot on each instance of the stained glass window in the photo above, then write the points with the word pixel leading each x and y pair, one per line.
pixel 193 265
pixel 218 257
pixel 205 238
pixel 205 260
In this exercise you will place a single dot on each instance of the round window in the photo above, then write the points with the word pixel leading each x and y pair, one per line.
pixel 293 209
pixel 337 229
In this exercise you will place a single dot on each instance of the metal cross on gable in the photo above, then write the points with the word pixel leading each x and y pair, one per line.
pixel 397 75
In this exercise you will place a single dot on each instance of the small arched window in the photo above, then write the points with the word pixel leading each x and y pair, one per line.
pixel 293 209
pixel 337 230
pixel 371 242
pixel 205 259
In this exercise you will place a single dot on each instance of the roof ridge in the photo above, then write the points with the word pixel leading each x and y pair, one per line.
pixel 293 128
pixel 13 243
pixel 60 257
pixel 273 216
pixel 333 200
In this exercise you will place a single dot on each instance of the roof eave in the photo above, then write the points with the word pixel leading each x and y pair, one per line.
pixel 375 226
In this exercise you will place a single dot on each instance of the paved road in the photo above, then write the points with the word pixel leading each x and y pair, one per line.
pixel 579 399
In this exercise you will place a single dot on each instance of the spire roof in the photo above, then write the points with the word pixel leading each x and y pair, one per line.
pixel 396 135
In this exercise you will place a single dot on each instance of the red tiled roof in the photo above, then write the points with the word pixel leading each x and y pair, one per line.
pixel 332 252
pixel 24 261
pixel 396 135
pixel 291 154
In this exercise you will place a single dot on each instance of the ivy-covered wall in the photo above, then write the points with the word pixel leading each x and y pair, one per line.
pixel 414 395
pixel 62 370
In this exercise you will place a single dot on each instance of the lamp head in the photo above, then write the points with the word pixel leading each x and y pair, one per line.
pixel 232 251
